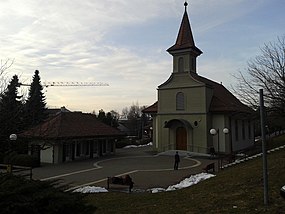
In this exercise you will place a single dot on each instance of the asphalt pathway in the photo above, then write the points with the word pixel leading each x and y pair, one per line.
pixel 147 170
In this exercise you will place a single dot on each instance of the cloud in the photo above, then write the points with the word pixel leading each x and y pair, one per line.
pixel 218 13
pixel 131 79
pixel 71 40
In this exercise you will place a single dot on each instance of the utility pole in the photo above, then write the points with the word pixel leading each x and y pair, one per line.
pixel 264 151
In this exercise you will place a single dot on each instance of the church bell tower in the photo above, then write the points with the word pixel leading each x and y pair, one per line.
pixel 184 51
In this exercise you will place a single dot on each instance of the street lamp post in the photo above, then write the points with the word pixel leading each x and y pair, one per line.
pixel 264 152
pixel 12 137
pixel 216 132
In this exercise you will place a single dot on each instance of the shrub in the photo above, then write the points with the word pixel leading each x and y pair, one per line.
pixel 127 141
pixel 21 159
pixel 24 160
pixel 1 157
pixel 18 195
pixel 122 143
pixel 9 156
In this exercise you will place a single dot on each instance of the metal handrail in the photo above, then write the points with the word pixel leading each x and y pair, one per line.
pixel 16 169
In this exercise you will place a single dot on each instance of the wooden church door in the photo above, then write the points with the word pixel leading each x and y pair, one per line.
pixel 181 138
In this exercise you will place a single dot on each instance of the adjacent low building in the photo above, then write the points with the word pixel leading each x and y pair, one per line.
pixel 68 136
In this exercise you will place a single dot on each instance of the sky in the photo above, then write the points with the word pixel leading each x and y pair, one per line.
pixel 124 42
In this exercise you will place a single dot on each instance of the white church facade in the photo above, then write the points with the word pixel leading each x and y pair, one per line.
pixel 190 105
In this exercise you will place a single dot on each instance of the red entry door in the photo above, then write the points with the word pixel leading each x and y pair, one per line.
pixel 181 138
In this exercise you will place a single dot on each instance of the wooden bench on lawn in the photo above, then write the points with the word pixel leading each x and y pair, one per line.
pixel 210 166
pixel 126 181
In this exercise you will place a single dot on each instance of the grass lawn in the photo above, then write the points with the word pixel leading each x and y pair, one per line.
pixel 237 189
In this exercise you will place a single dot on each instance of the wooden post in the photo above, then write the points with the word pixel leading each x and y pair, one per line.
pixel 108 184
pixel 9 168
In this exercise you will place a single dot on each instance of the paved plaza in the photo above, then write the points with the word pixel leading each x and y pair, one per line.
pixel 148 170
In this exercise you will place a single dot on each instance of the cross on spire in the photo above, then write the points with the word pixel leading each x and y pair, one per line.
pixel 185 5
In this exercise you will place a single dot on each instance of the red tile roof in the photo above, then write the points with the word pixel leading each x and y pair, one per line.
pixel 223 100
pixel 151 109
pixel 71 125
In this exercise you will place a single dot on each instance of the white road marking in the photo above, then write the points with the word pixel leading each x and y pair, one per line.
pixel 198 163
pixel 67 174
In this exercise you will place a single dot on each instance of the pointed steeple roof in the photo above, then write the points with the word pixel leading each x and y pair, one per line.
pixel 185 38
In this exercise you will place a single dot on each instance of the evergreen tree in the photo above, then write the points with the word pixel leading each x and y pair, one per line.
pixel 10 112
pixel 35 106
pixel 109 118
pixel 20 195
pixel 113 117
pixel 102 116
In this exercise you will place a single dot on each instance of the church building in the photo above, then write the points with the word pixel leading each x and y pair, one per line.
pixel 194 113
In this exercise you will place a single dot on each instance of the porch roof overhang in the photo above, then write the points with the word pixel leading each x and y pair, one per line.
pixel 170 123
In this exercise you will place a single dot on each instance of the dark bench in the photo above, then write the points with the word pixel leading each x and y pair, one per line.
pixel 126 181
pixel 209 167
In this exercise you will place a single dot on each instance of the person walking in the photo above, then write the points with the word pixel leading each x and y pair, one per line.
pixel 176 161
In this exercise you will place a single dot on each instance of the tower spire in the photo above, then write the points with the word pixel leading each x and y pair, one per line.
pixel 184 51
pixel 185 38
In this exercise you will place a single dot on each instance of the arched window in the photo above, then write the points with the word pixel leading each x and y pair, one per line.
pixel 180 64
pixel 180 101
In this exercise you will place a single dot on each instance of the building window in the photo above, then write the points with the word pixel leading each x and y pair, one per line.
pixel 104 146
pixel 112 146
pixel 87 150
pixel 243 129
pixel 180 101
pixel 78 149
pixel 95 147
pixel 249 130
pixel 236 130
pixel 180 64
pixel 68 150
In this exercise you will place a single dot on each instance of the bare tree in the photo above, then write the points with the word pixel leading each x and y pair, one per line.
pixel 115 114
pixel 135 119
pixel 134 111
pixel 3 69
pixel 125 112
pixel 5 65
pixel 266 71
